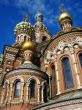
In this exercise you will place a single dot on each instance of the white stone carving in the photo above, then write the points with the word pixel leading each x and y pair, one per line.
pixel 79 41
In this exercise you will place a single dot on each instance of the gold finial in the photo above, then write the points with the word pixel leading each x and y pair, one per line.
pixel 62 8
pixel 26 17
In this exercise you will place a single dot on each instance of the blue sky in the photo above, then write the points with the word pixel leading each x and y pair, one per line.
pixel 12 12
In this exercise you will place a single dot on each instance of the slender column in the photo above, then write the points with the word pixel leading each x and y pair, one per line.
pixel 22 90
pixel 50 88
pixel 27 92
pixel 42 93
pixel 57 77
pixel 7 94
pixel 11 90
pixel 75 67
pixel 38 92
pixel 2 96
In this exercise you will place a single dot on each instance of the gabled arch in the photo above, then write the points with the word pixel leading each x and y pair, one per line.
pixel 18 78
pixel 33 78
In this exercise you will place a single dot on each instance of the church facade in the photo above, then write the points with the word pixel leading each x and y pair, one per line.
pixel 40 71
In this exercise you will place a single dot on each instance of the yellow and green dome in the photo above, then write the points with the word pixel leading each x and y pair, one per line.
pixel 23 27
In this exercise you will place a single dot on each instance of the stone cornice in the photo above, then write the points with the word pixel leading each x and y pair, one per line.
pixel 26 71
pixel 57 104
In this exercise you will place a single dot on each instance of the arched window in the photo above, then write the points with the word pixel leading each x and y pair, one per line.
pixel 32 88
pixel 17 89
pixel 67 73
pixel 80 59
pixel 24 38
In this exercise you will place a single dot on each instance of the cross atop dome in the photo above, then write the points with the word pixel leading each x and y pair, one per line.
pixel 62 9
pixel 26 17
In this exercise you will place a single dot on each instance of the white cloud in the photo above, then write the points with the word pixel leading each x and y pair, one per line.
pixel 32 6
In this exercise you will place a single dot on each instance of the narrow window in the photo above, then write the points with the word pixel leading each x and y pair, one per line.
pixel 24 38
pixel 17 89
pixel 43 38
pixel 67 73
pixel 32 88
pixel 80 59
pixel 54 80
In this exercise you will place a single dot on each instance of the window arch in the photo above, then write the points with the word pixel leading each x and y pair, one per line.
pixel 32 88
pixel 17 89
pixel 67 73
pixel 80 59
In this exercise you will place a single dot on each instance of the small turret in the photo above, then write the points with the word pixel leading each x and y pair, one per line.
pixel 65 20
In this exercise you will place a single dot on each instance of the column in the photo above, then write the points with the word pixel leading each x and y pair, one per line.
pixel 75 67
pixel 7 94
pixel 57 77
pixel 22 90
pixel 11 91
pixel 42 93
pixel 2 97
pixel 38 92
pixel 50 88
pixel 27 92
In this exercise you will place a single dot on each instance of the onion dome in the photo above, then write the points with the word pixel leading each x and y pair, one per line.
pixel 28 45
pixel 39 17
pixel 64 16
pixel 23 27
pixel 39 22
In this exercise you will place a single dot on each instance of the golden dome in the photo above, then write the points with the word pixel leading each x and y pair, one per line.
pixel 63 16
pixel 28 45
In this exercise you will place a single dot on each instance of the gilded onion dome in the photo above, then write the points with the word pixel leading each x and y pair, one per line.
pixel 28 45
pixel 25 27
pixel 64 16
